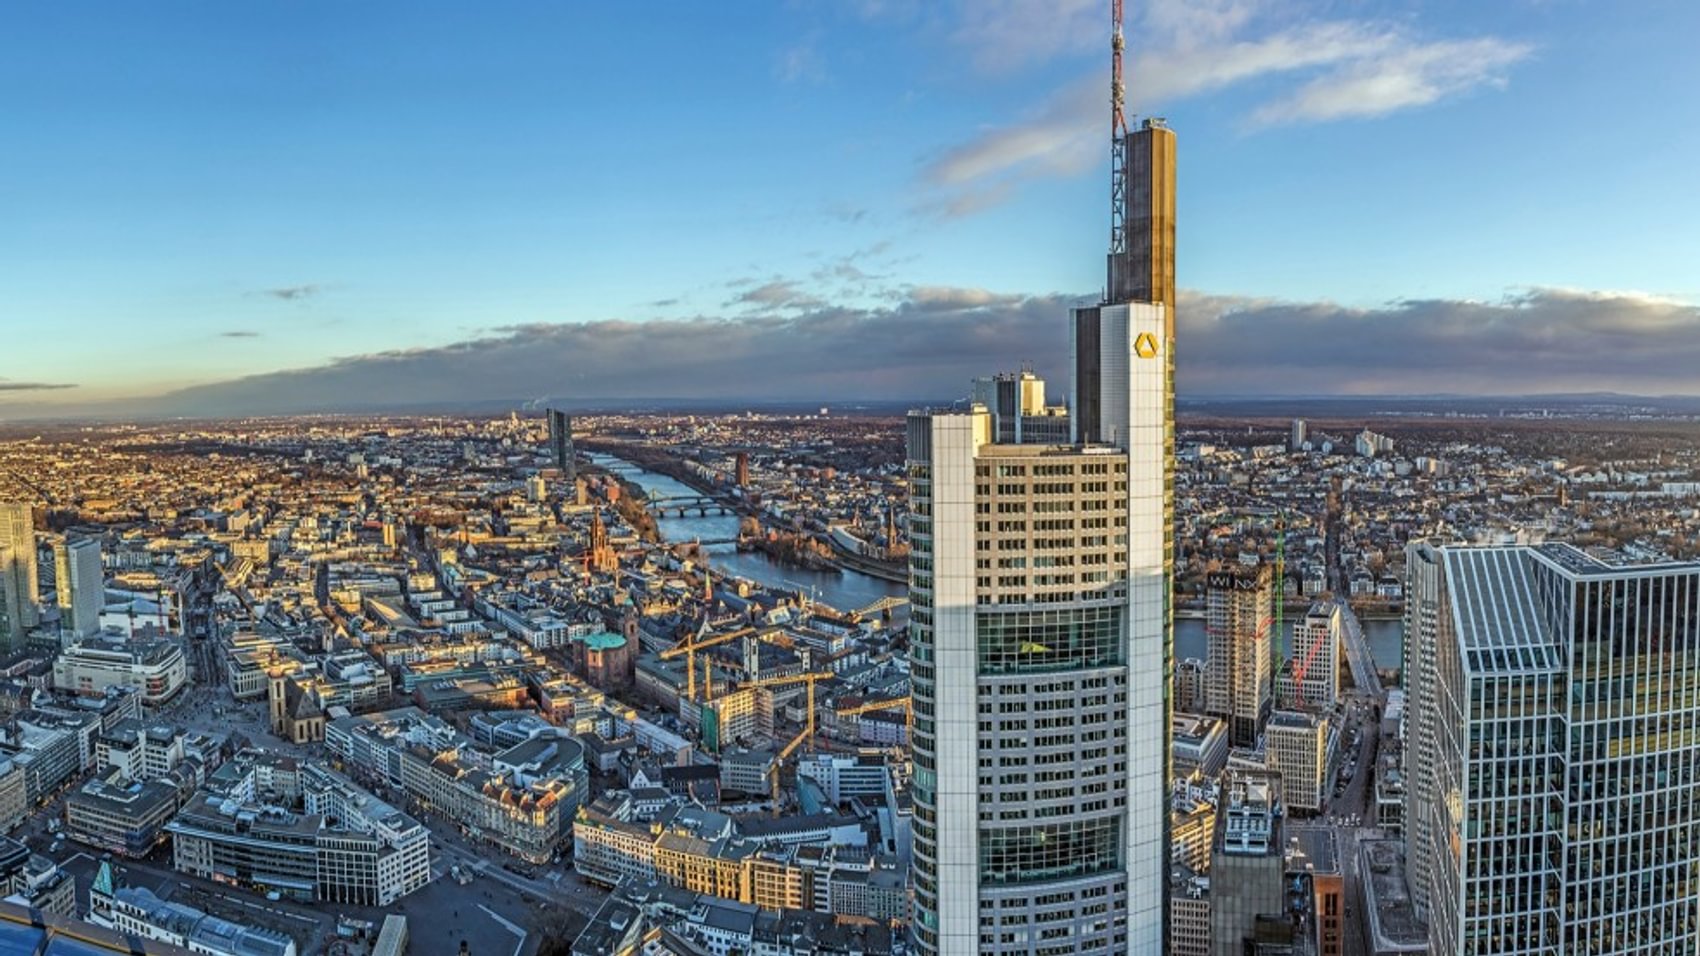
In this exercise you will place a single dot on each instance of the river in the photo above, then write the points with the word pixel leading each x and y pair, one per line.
pixel 1385 639
pixel 845 591
pixel 851 589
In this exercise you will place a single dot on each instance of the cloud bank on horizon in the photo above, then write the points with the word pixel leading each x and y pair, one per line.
pixel 931 341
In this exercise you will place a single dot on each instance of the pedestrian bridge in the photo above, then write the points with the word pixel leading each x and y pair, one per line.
pixel 683 506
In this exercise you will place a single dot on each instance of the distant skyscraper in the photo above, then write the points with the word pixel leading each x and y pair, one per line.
pixel 19 580
pixel 741 469
pixel 1239 676
pixel 8 596
pixel 1296 441
pixel 1553 752
pixel 80 586
pixel 561 444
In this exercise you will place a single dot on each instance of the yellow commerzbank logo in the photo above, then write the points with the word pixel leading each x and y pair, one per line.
pixel 1145 346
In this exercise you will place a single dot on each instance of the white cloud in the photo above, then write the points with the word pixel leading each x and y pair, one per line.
pixel 1007 34
pixel 1407 77
pixel 800 63
pixel 1055 139
pixel 1343 68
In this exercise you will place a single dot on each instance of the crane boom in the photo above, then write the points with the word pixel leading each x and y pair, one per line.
pixel 689 647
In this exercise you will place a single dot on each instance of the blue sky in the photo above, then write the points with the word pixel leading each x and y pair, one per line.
pixel 197 192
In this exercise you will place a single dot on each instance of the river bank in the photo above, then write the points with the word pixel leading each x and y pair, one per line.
pixel 844 590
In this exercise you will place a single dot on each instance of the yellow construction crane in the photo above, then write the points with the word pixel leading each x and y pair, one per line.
pixel 868 707
pixel 808 731
pixel 697 642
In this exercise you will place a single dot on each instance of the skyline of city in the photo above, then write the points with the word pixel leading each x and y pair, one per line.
pixel 473 212
pixel 516 476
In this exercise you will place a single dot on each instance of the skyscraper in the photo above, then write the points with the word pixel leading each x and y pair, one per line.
pixel 1239 677
pixel 1311 678
pixel 7 597
pixel 80 586
pixel 1553 751
pixel 1040 578
pixel 561 444
pixel 1246 860
pixel 19 583
pixel 1296 440
pixel 1019 413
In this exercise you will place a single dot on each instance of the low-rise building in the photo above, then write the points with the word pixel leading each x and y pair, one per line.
pixel 124 816
pixel 51 748
pixel 35 880
pixel 14 794
pixel 155 668
pixel 1200 745
pixel 327 840
pixel 842 776
pixel 1192 829
pixel 140 751
pixel 139 912
pixel 521 800
pixel 1189 913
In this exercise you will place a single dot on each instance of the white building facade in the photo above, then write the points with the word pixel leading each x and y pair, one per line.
pixel 1315 674
pixel 1040 581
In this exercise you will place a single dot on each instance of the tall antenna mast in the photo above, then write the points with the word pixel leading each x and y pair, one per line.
pixel 1118 148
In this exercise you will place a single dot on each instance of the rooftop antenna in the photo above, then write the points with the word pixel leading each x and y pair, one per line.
pixel 1118 153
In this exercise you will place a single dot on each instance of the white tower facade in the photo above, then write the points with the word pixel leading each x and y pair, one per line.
pixel 1040 577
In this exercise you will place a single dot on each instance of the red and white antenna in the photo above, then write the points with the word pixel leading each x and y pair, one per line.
pixel 1118 136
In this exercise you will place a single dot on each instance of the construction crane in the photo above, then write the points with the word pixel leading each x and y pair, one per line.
pixel 808 731
pixel 697 642
pixel 808 678
pixel 868 707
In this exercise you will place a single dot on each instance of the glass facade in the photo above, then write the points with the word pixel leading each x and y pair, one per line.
pixel 1026 642
pixel 1555 806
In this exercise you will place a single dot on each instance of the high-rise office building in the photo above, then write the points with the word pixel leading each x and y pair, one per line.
pixel 1246 861
pixel 1016 401
pixel 1040 578
pixel 1239 678
pixel 1311 679
pixel 80 586
pixel 561 444
pixel 1296 440
pixel 6 596
pixel 1296 747
pixel 1552 753
pixel 19 582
